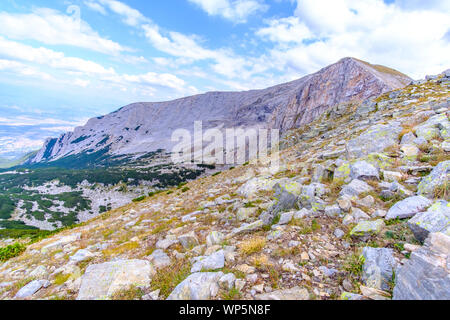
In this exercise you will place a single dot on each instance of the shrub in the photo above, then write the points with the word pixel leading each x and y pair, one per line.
pixel 139 199
pixel 11 251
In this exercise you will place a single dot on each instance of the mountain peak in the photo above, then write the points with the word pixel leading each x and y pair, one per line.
pixel 145 127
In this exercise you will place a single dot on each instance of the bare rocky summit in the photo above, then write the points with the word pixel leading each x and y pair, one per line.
pixel 145 127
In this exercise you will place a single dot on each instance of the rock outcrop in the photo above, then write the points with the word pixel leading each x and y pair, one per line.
pixel 426 276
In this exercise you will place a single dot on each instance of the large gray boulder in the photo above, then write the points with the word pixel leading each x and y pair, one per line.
pixel 378 268
pixel 363 170
pixel 438 178
pixel 408 208
pixel 102 281
pixel 286 196
pixel 376 139
pixel 426 275
pixel 159 259
pixel 211 262
pixel 31 288
pixel 435 127
pixel 198 286
pixel 355 188
pixel 435 219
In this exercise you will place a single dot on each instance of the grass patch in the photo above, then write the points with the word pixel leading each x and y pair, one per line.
pixel 168 278
pixel 11 251
pixel 61 278
pixel 232 294
pixel 129 294
pixel 252 245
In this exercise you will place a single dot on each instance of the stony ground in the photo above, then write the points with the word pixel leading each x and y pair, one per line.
pixel 357 210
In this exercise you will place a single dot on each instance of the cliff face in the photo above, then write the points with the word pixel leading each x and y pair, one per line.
pixel 145 127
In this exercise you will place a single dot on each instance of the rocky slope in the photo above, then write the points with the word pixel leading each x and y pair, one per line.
pixel 145 127
pixel 359 191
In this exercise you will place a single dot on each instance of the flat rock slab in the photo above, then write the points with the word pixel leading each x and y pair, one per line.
pixel 198 286
pixel 31 288
pixel 426 276
pixel 296 293
pixel 366 229
pixel 408 208
pixel 102 281
pixel 61 242
pixel 211 262
pixel 378 268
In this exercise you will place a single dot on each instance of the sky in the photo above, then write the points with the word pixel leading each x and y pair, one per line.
pixel 63 62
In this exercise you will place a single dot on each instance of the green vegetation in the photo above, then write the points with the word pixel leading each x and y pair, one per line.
pixel 139 199
pixel 167 279
pixel 11 251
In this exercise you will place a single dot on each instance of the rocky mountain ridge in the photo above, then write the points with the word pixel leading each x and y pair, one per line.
pixel 361 195
pixel 144 127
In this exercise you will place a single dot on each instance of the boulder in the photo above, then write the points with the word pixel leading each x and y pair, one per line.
pixel 355 188
pixel 378 268
pixel 61 242
pixel 81 255
pixel 363 170
pixel 255 185
pixel 102 281
pixel 296 293
pixel 438 178
pixel 376 139
pixel 214 238
pixel 212 262
pixel 244 214
pixel 188 241
pixel 426 275
pixel 198 286
pixel 408 138
pixel 408 208
pixel 248 227
pixel 31 288
pixel 435 219
pixel 159 259
pixel 437 126
pixel 366 229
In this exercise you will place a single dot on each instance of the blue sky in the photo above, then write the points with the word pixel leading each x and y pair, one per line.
pixel 62 62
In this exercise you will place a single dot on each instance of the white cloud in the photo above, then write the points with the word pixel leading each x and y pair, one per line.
pixel 237 11
pixel 19 144
pixel 289 29
pixel 130 16
pixel 95 6
pixel 21 121
pixel 54 28
pixel 22 69
pixel 409 40
pixel 54 59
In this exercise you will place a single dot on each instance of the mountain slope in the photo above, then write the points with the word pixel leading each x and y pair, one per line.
pixel 345 192
pixel 145 127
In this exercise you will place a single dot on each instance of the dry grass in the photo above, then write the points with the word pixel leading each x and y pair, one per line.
pixel 252 245
pixel 168 278
pixel 260 261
